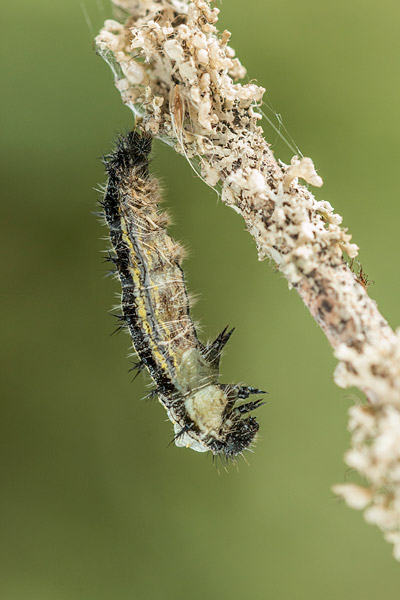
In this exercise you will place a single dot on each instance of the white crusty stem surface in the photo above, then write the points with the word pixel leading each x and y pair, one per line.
pixel 179 75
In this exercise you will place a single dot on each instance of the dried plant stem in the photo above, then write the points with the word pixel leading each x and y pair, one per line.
pixel 179 76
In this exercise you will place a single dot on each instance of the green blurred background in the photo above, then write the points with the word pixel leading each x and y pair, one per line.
pixel 94 505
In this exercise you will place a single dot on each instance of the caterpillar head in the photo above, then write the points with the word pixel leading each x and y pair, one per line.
pixel 213 422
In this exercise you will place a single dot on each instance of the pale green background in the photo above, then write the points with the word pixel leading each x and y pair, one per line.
pixel 94 505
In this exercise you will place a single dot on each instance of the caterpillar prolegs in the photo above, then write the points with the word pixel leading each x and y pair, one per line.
pixel 155 310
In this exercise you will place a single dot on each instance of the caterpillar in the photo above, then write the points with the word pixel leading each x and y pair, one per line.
pixel 155 310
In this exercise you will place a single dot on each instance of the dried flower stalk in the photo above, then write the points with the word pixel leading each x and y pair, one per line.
pixel 179 76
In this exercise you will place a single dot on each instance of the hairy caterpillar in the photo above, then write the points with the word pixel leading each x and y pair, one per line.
pixel 155 310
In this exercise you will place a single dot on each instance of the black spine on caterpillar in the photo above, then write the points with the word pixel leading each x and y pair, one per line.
pixel 156 310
